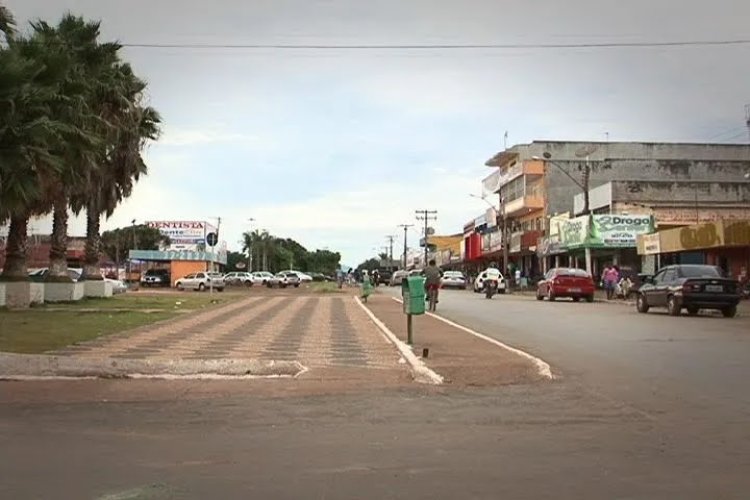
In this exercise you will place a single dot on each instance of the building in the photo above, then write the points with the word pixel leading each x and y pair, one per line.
pixel 722 243
pixel 675 183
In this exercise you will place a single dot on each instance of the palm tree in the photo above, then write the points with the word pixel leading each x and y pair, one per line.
pixel 29 139
pixel 130 126
pixel 74 61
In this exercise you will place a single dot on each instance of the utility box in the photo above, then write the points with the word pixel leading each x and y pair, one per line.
pixel 413 294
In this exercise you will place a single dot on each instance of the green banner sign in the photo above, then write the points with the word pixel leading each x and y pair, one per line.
pixel 605 231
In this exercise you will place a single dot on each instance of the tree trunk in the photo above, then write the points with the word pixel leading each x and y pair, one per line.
pixel 58 264
pixel 15 251
pixel 91 271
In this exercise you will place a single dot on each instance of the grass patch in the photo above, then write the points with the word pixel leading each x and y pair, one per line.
pixel 35 331
pixel 171 301
pixel 325 287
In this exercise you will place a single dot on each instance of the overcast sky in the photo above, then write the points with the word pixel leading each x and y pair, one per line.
pixel 335 148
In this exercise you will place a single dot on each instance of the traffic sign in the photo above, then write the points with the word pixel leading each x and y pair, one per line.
pixel 212 239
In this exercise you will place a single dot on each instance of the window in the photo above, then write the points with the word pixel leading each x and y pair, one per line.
pixel 699 272
pixel 669 276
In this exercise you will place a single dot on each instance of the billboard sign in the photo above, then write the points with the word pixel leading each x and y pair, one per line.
pixel 184 235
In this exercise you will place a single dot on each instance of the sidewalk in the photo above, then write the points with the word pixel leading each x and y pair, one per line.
pixel 459 357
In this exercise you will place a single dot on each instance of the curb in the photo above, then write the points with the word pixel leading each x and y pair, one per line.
pixel 420 371
pixel 41 366
pixel 543 368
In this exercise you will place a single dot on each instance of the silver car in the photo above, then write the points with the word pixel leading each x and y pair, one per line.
pixel 201 281
pixel 239 278
pixel 397 277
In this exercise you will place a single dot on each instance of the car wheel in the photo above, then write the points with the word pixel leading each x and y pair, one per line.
pixel 501 291
pixel 692 311
pixel 296 285
pixel 201 287
pixel 248 283
pixel 576 299
pixel 220 289
pixel 729 312
pixel 539 296
pixel 672 308
pixel 179 286
pixel 641 305
pixel 589 298
pixel 550 296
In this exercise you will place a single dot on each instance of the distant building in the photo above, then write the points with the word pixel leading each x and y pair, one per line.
pixel 675 183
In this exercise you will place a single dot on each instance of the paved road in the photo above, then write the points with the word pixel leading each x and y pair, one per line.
pixel 636 415
pixel 683 367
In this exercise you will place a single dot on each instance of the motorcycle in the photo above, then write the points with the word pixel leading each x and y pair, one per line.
pixel 490 288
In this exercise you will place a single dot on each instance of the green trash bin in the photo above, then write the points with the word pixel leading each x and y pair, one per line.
pixel 413 294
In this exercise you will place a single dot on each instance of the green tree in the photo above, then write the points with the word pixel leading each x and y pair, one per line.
pixel 369 265
pixel 323 261
pixel 30 141
pixel 236 261
pixel 117 243
pixel 131 125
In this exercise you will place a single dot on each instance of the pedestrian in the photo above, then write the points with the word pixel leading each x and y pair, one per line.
pixel 517 277
pixel 366 286
pixel 340 277
pixel 375 278
pixel 611 277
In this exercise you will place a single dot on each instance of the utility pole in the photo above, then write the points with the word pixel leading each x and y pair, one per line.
pixel 406 229
pixel 390 239
pixel 426 216
pixel 505 239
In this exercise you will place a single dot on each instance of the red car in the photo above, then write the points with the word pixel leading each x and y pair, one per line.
pixel 566 282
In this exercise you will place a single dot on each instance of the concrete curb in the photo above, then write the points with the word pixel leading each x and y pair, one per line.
pixel 543 368
pixel 421 373
pixel 37 366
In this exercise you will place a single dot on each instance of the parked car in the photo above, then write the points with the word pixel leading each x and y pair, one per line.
pixel 287 278
pixel 117 286
pixel 303 278
pixel 40 275
pixel 156 277
pixel 453 279
pixel 239 278
pixel 262 277
pixel 479 283
pixel 397 277
pixel 319 277
pixel 689 287
pixel 201 281
pixel 566 282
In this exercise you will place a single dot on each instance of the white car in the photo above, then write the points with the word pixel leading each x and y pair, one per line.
pixel 287 278
pixel 303 278
pixel 201 281
pixel 479 283
pixel 453 279
pixel 117 286
pixel 262 277
pixel 239 278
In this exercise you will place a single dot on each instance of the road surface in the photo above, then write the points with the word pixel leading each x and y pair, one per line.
pixel 647 407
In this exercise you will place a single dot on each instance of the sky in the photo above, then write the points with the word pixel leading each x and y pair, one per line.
pixel 335 148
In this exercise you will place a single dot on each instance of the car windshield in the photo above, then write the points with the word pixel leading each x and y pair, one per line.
pixel 578 273
pixel 700 272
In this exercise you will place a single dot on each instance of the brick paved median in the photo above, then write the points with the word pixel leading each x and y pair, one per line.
pixel 461 358
pixel 317 331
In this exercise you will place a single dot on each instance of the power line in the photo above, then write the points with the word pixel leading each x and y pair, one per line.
pixel 500 46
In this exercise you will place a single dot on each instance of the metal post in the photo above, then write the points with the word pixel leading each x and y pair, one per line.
pixel 406 229
pixel 426 216
pixel 506 243
pixel 409 331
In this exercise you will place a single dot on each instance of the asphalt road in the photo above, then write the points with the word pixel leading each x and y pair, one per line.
pixel 647 407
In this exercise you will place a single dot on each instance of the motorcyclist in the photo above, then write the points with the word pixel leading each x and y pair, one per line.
pixel 432 276
pixel 493 276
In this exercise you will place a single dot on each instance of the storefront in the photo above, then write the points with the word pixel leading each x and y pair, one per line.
pixel 179 263
pixel 725 244
pixel 607 238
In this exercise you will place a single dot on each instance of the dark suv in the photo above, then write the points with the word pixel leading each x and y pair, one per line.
pixel 156 277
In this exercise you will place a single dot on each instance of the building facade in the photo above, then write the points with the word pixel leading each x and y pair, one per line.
pixel 674 183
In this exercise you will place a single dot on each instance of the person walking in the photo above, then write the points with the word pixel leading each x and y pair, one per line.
pixel 366 286
pixel 611 278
